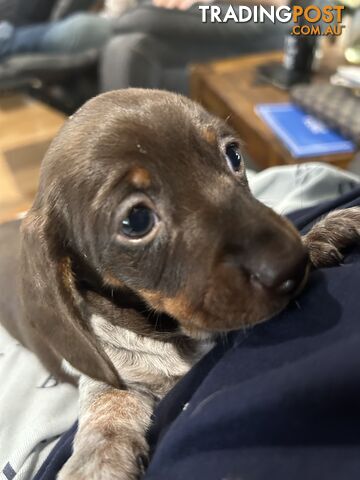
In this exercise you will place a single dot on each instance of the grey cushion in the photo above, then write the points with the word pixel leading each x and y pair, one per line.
pixel 26 69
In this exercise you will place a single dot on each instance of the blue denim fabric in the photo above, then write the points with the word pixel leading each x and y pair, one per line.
pixel 76 33
pixel 6 38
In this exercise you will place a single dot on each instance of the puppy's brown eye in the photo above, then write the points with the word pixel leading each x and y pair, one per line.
pixel 233 156
pixel 139 221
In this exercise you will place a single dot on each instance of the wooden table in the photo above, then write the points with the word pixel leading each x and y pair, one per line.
pixel 26 130
pixel 229 89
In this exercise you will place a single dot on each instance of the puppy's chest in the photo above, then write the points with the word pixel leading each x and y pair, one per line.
pixel 139 358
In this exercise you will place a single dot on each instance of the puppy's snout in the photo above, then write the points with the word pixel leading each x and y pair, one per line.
pixel 281 275
pixel 281 271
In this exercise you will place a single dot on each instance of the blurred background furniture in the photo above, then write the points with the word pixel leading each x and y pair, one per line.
pixel 27 127
pixel 231 90
pixel 64 79
pixel 153 47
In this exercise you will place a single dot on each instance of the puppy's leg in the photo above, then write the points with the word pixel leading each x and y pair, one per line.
pixel 337 231
pixel 110 442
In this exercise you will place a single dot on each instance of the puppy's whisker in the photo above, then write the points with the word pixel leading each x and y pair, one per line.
pixel 157 317
pixel 224 339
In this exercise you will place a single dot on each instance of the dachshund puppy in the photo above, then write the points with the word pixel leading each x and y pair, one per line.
pixel 143 243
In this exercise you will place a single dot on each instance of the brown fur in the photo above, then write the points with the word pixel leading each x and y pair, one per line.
pixel 337 231
pixel 132 317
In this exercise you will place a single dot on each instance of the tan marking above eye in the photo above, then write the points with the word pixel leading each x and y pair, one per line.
pixel 209 135
pixel 139 177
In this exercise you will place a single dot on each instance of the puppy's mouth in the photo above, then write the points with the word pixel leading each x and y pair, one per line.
pixel 223 309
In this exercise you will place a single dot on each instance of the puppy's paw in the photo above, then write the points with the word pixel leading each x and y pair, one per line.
pixel 106 456
pixel 329 237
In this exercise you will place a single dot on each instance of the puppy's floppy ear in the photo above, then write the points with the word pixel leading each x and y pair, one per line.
pixel 52 302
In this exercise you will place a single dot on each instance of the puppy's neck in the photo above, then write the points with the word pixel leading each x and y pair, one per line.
pixel 144 362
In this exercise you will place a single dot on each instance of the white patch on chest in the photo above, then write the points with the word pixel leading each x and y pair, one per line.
pixel 136 356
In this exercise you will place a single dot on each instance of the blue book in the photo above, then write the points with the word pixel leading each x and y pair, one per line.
pixel 302 133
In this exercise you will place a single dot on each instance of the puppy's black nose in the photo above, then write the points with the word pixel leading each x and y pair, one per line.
pixel 278 267
pixel 281 274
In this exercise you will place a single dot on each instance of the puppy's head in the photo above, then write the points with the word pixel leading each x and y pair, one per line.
pixel 144 192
